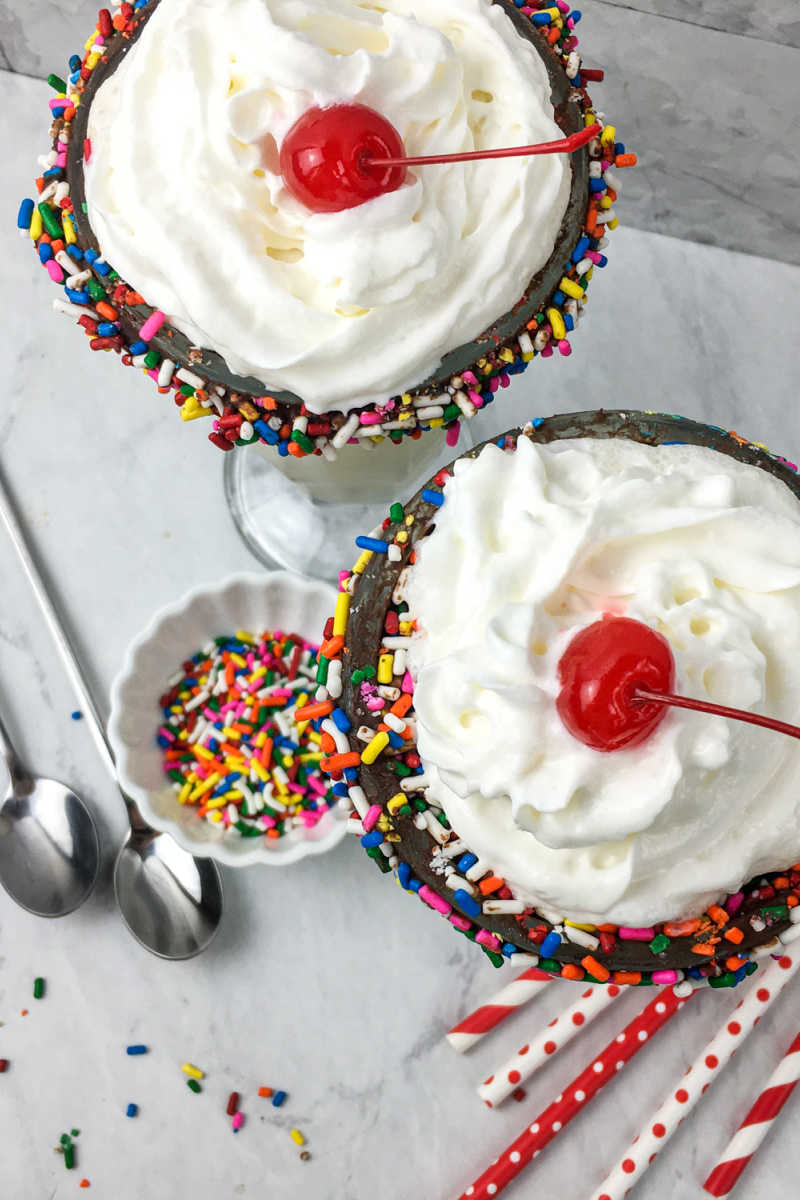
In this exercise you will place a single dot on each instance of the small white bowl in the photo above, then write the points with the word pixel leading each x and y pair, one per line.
pixel 273 600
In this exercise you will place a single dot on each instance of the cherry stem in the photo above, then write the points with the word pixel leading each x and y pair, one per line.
pixel 563 146
pixel 717 710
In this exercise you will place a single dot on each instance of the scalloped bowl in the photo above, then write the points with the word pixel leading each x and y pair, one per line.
pixel 273 600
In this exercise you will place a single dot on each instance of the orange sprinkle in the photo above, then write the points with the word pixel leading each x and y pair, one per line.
pixel 340 762
pixel 312 711
pixel 265 753
pixel 675 929
pixel 625 160
pixel 596 968
pixel 632 977
pixel 734 935
pixel 265 1092
pixel 492 883
pixel 718 915
pixel 326 744
pixel 608 928
pixel 230 673
pixel 792 901
pixel 106 310
pixel 401 706
pixel 24 1012
pixel 273 833
pixel 57 245
pixel 703 948
pixel 295 450
pixel 737 961
pixel 332 647
pixel 84 1183
pixel 134 298
pixel 780 883
pixel 269 402
pixel 570 971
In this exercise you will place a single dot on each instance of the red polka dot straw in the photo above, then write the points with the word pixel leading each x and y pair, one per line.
pixel 756 1125
pixel 548 1041
pixel 574 1098
pixel 687 1091
pixel 474 1027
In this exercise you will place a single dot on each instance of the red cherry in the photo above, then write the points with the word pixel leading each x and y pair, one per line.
pixel 599 672
pixel 324 157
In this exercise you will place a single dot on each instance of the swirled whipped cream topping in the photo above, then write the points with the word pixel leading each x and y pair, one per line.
pixel 531 547
pixel 344 309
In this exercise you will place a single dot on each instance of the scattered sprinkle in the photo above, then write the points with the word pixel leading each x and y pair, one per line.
pixel 136 1049
pixel 38 988
pixel 278 1099
pixel 193 1085
pixel 132 1110
pixel 195 1072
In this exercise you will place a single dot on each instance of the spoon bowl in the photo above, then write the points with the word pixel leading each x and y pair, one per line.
pixel 170 900
pixel 49 851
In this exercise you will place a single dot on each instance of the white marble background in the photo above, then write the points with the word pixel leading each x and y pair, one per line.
pixel 325 979
pixel 706 91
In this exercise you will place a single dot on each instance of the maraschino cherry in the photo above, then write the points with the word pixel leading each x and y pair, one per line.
pixel 324 157
pixel 600 672
pixel 616 679
pixel 340 156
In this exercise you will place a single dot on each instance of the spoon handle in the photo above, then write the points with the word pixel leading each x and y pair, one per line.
pixel 13 762
pixel 54 624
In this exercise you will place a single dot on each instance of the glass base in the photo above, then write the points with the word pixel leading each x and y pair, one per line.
pixel 305 513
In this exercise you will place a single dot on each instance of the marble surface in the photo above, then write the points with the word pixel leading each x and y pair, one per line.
pixel 707 109
pixel 325 980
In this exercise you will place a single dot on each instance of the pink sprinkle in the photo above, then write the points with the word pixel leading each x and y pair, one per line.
pixel 267 822
pixel 58 102
pixel 375 704
pixel 734 903
pixel 408 683
pixel 153 373
pixel 237 1121
pixel 505 381
pixel 430 897
pixel 460 922
pixel 61 161
pixel 665 976
pixel 152 325
pixel 628 934
pixel 371 817
pixel 453 433
pixel 564 348
pixel 371 418
pixel 547 351
pixel 488 939
pixel 594 256
pixel 54 271
pixel 343 577
pixel 469 377
pixel 316 785
pixel 562 6
pixel 494 384
pixel 166 733
pixel 476 398
pixel 297 788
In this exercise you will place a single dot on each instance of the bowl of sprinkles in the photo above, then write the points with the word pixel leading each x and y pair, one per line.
pixel 213 722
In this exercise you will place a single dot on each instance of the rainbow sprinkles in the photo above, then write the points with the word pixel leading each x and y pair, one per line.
pixel 116 318
pixel 376 765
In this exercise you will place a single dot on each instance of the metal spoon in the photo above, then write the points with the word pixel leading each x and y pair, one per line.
pixel 170 901
pixel 49 853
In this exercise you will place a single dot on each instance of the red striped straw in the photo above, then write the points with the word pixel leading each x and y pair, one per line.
pixel 600 1071
pixel 520 991
pixel 756 1125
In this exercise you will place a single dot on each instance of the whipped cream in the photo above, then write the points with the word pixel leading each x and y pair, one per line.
pixel 531 547
pixel 343 309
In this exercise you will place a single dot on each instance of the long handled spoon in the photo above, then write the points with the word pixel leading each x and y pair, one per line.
pixel 170 901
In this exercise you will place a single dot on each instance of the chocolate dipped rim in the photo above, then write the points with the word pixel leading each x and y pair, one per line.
pixel 717 944
pixel 543 316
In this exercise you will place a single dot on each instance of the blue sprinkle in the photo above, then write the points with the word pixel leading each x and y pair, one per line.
pixel 537 421
pixel 414 885
pixel 619 147
pixel 395 740
pixel 376 544
pixel 372 839
pixel 91 255
pixel 404 874
pixel 432 497
pixel 597 185
pixel 74 251
pixel 77 297
pixel 580 249
pixel 351 774
pixel 136 1049
pixel 550 944
pixel 45 252
pixel 467 902
pixel 541 18
pixel 283 448
pixel 25 214
pixel 53 173
pixel 77 715
pixel 694 973
pixel 75 62
pixel 131 1110
pixel 101 267
pixel 569 323
pixel 107 329
pixel 465 862
pixel 265 433
pixel 278 1099
pixel 339 789
pixel 341 720
pixel 558 298
pixel 575 15
pixel 508 948
pixel 162 741
pixel 139 347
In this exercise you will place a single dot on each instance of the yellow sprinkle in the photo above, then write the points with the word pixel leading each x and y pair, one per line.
pixel 69 229
pixel 341 614
pixel 397 801
pixel 92 61
pixel 385 668
pixel 612 224
pixel 571 288
pixel 409 519
pixel 207 786
pixel 606 202
pixel 231 735
pixel 193 409
pixel 261 737
pixel 406 628
pixel 361 562
pixel 183 794
pixel 202 752
pixel 235 764
pixel 506 355
pixel 375 747
pixel 436 422
pixel 297 1137
pixel 384 824
pixel 311 757
pixel 243 636
pixel 402 537
pixel 577 925
pixel 260 770
pixel 314 737
pixel 609 135
pixel 217 802
pixel 194 1072
pixel 405 413
pixel 215 816
pixel 36 229
pixel 237 658
pixel 589 275
pixel 556 323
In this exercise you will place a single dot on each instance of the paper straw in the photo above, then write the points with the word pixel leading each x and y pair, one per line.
pixel 549 1041
pixel 574 1098
pixel 474 1027
pixel 756 1125
pixel 687 1091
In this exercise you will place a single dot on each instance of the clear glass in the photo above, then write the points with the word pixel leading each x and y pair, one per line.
pixel 305 513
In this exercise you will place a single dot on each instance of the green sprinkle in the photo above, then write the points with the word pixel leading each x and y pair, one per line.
pixel 659 943
pixel 369 672
pixel 193 1085
pixel 75 1132
pixel 64 1139
pixel 57 83
pixel 303 441
pixel 357 677
pixel 187 390
pixel 95 289
pixel 51 222
pixel 397 513
pixel 69 1156
pixel 780 911
pixel 152 359
pixel 38 988
pixel 451 413
pixel 550 964
pixel 495 959
pixel 378 856
pixel 405 811
pixel 722 981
